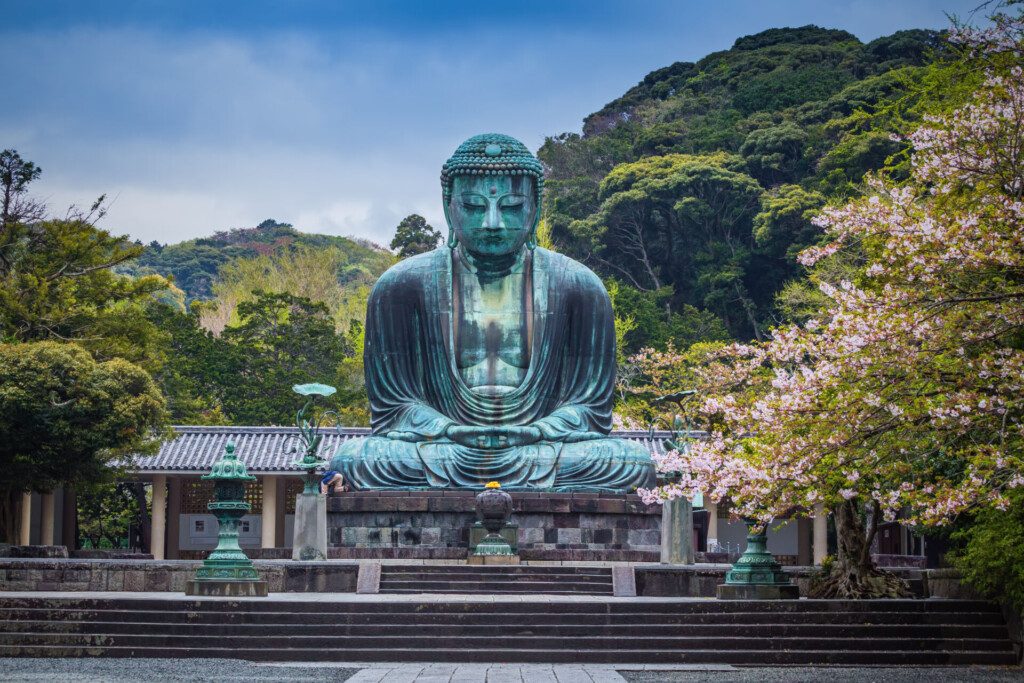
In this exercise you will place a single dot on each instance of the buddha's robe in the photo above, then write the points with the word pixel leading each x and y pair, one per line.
pixel 416 389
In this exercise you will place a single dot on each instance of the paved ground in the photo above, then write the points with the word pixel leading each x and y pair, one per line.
pixel 135 670
pixel 953 674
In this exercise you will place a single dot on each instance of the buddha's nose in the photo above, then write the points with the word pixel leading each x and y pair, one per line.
pixel 493 218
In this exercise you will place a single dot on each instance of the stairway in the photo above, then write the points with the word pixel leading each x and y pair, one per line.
pixel 500 580
pixel 596 630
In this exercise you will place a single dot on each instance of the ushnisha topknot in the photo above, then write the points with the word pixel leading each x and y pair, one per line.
pixel 492 154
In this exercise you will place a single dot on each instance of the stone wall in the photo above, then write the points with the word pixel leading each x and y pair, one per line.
pixel 436 525
pixel 652 580
pixel 170 575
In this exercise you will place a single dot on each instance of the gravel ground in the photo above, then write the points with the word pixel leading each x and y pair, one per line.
pixel 140 670
pixel 953 674
pixel 164 670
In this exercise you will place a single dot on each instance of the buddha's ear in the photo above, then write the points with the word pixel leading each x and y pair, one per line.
pixel 531 241
pixel 453 240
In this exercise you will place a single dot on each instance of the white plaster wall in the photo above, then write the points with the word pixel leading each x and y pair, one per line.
pixel 782 539
pixel 199 532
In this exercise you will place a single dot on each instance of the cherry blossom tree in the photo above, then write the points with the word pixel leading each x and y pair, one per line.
pixel 904 398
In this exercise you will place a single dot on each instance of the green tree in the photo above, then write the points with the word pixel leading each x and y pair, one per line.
pixel 775 154
pixel 682 221
pixel 783 226
pixel 106 514
pixel 282 340
pixel 198 367
pixel 15 206
pixel 58 279
pixel 64 417
pixel 414 236
pixel 991 552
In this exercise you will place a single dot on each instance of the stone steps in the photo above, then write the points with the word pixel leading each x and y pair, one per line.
pixel 320 620
pixel 758 657
pixel 430 641
pixel 893 632
pixel 500 580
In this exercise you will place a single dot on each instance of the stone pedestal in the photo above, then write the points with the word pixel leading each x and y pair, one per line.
pixel 753 591
pixel 677 532
pixel 227 588
pixel 309 541
pixel 440 525
pixel 492 559
pixel 509 532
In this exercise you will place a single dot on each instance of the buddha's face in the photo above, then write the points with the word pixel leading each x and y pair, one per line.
pixel 492 215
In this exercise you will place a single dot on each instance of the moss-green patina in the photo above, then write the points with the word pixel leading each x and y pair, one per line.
pixel 490 358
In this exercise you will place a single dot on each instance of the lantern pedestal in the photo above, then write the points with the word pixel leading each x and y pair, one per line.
pixel 756 575
pixel 227 589
pixel 309 539
pixel 227 570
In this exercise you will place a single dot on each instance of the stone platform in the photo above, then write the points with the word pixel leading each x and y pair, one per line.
pixel 437 525
pixel 341 577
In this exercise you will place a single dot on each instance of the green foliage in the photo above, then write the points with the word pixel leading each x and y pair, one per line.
pixel 650 325
pixel 326 275
pixel 681 221
pixel 808 110
pixel 991 556
pixel 783 227
pixel 282 340
pixel 414 236
pixel 198 368
pixel 57 282
pixel 775 154
pixel 106 513
pixel 15 176
pixel 64 416
pixel 195 265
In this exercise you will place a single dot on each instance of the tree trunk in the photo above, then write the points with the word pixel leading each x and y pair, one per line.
pixel 852 574
pixel 139 491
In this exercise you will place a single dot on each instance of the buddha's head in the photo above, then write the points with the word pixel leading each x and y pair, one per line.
pixel 492 191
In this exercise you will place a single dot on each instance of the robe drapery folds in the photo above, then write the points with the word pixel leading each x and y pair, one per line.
pixel 415 387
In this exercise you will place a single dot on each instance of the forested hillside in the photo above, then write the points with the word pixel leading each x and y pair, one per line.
pixel 261 309
pixel 694 189
pixel 196 264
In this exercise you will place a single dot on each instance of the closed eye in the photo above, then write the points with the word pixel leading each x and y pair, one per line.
pixel 474 201
pixel 513 201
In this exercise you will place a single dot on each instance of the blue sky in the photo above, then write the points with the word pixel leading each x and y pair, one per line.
pixel 196 116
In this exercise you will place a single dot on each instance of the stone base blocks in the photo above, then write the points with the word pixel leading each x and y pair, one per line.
pixel 596 630
pixel 442 525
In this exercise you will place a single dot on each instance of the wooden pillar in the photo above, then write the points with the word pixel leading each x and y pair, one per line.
pixel 46 521
pixel 173 517
pixel 804 533
pixel 282 503
pixel 820 543
pixel 158 534
pixel 712 509
pixel 268 521
pixel 25 536
pixel 69 520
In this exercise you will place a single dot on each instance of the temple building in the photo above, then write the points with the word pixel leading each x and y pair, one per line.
pixel 181 527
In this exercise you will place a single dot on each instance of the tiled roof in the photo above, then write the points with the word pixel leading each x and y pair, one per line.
pixel 266 449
